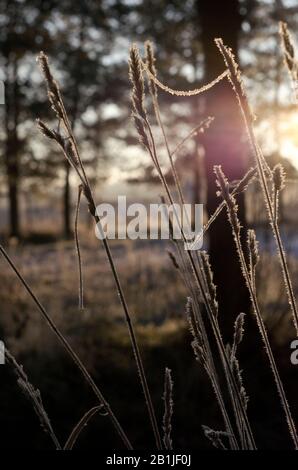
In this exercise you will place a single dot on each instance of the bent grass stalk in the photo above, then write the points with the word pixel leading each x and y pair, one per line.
pixel 75 433
pixel 168 409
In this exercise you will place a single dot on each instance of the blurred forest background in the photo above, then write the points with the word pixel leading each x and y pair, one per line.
pixel 88 44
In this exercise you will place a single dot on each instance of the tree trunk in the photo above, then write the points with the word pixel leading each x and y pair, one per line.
pixel 12 144
pixel 224 146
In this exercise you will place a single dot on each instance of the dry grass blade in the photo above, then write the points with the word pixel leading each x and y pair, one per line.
pixel 136 78
pixel 253 253
pixel 238 336
pixel 203 355
pixel 249 279
pixel 200 282
pixel 289 54
pixel 278 178
pixel 199 129
pixel 234 76
pixel 238 87
pixel 52 86
pixel 238 378
pixel 139 112
pixel 198 344
pixel 240 187
pixel 77 242
pixel 238 333
pixel 79 427
pixel 168 413
pixel 173 259
pixel 196 91
pixel 209 281
pixel 34 396
pixel 150 63
pixel 150 59
pixel 215 437
pixel 69 350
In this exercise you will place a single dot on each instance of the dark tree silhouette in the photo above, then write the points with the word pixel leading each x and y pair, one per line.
pixel 224 145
